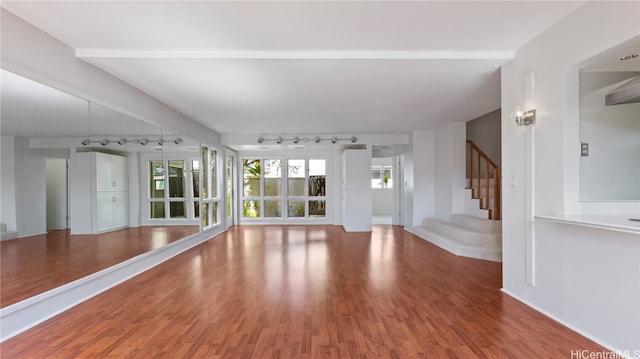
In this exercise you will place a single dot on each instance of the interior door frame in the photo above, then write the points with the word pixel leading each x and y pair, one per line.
pixel 231 221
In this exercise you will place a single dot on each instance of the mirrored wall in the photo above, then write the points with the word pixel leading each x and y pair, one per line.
pixel 78 176
pixel 610 125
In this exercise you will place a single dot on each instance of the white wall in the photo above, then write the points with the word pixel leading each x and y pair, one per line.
pixel 420 193
pixel 34 54
pixel 578 275
pixel 56 193
pixel 450 170
pixel 31 186
pixel 8 183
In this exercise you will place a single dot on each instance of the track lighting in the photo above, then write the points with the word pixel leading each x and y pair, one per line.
pixel 178 141
pixel 104 142
pixel 122 141
pixel 297 139
pixel 144 141
pixel 86 141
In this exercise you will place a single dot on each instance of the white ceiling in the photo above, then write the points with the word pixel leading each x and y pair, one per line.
pixel 305 67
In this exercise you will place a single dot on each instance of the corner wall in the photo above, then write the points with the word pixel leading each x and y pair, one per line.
pixel 586 278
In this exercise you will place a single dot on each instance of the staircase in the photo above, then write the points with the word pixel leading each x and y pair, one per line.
pixel 484 181
pixel 465 236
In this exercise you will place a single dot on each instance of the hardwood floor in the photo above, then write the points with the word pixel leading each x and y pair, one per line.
pixel 36 264
pixel 305 292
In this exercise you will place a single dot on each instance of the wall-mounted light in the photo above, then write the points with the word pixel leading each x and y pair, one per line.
pixel 526 118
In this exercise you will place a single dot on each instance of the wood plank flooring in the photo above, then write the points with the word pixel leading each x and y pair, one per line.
pixel 305 292
pixel 36 264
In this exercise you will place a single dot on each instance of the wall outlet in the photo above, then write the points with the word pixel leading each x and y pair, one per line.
pixel 584 149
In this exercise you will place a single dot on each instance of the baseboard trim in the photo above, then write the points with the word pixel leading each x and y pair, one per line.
pixel 30 312
pixel 568 325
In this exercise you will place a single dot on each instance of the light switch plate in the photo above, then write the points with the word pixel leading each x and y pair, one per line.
pixel 584 149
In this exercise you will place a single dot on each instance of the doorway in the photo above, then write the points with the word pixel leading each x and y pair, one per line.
pixel 57 194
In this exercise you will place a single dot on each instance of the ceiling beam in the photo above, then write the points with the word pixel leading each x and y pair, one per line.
pixel 296 55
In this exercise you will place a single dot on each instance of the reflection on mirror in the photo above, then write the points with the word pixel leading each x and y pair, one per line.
pixel 610 125
pixel 85 187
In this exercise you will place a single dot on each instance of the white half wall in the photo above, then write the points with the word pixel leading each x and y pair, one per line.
pixel 578 275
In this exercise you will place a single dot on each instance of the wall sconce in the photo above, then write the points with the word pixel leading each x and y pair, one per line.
pixel 526 118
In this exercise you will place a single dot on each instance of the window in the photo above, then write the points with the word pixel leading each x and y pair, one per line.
pixel 275 188
pixel 173 189
pixel 381 177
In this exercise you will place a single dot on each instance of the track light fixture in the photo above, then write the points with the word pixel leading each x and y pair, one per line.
pixel 316 139
pixel 122 141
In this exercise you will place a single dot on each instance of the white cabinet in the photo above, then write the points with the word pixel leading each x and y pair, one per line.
pixel 356 190
pixel 101 185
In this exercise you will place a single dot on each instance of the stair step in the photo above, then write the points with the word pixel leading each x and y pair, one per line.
pixel 433 232
pixel 477 224
pixel 464 234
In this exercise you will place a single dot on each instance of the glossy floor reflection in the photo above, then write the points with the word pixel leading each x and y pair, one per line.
pixel 305 292
pixel 36 264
